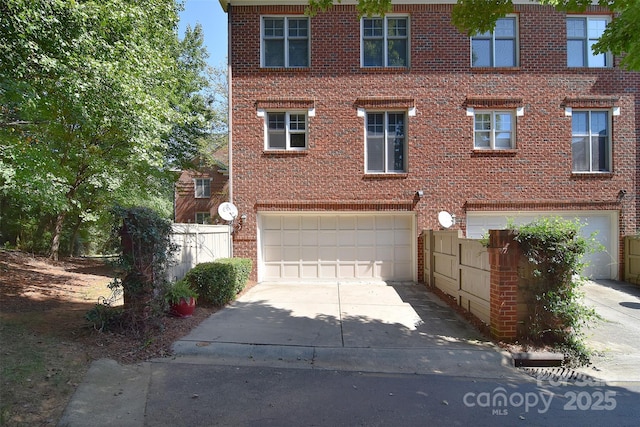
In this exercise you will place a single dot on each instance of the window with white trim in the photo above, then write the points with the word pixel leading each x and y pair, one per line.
pixel 285 42
pixel 590 141
pixel 286 130
pixel 202 188
pixel 203 218
pixel 385 41
pixel 494 130
pixel 385 142
pixel 582 34
pixel 498 48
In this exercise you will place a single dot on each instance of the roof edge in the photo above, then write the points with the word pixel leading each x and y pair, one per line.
pixel 225 5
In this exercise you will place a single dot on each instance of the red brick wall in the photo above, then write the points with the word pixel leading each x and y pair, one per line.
pixel 186 205
pixel 441 160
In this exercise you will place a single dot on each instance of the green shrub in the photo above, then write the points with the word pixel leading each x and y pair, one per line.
pixel 554 249
pixel 220 281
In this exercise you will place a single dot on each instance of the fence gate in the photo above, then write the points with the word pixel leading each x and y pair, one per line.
pixel 198 243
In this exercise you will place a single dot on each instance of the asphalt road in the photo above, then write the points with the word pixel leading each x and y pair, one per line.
pixel 208 395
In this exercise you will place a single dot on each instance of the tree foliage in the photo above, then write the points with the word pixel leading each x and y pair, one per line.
pixel 98 100
pixel 622 36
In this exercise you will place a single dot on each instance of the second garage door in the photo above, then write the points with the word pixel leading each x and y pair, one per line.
pixel 345 246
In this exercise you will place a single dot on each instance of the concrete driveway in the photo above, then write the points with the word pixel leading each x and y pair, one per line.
pixel 615 339
pixel 383 327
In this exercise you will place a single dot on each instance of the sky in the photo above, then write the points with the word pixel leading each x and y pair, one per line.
pixel 213 19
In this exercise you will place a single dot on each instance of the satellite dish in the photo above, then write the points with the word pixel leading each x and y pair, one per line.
pixel 227 211
pixel 445 219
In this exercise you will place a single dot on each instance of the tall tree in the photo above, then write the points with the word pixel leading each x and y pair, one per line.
pixel 91 93
pixel 622 36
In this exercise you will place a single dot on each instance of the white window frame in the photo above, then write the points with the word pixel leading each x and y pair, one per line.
pixel 385 41
pixel 287 130
pixel 203 217
pixel 587 53
pixel 386 141
pixel 491 36
pixel 589 136
pixel 493 131
pixel 286 39
pixel 199 183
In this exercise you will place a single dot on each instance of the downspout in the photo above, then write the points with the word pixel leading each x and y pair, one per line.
pixel 229 103
pixel 229 116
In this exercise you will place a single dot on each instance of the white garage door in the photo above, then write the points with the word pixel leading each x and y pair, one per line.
pixel 602 264
pixel 345 246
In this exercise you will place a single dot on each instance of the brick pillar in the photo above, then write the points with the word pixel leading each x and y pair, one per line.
pixel 504 256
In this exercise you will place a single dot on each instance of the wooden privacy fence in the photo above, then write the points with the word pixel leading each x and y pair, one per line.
pixel 632 259
pixel 198 243
pixel 458 267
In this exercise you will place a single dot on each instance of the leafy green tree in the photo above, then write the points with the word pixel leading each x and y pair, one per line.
pixel 98 99
pixel 622 36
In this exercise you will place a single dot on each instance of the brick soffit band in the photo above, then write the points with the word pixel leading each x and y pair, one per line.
pixel 540 205
pixel 491 102
pixel 293 104
pixel 335 205
pixel 384 103
pixel 591 102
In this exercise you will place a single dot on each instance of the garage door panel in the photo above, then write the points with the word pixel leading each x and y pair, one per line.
pixel 309 223
pixel 291 238
pixel 272 253
pixel 328 271
pixel 337 246
pixel 384 237
pixel 347 237
pixel 328 222
pixel 384 253
pixel 309 253
pixel 327 238
pixel 601 264
pixel 290 223
pixel 272 223
pixel 366 238
pixel 310 271
pixel 384 223
pixel 365 271
pixel 309 238
pixel 366 223
pixel 326 254
pixel 347 223
pixel 273 237
pixel 347 253
pixel 291 271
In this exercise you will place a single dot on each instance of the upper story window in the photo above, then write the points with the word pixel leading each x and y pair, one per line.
pixel 202 188
pixel 385 142
pixel 498 48
pixel 385 42
pixel 286 130
pixel 590 141
pixel 494 130
pixel 582 34
pixel 285 42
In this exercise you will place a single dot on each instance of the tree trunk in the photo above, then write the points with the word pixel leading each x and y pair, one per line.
pixel 55 244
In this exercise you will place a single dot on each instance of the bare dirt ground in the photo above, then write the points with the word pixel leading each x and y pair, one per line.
pixel 46 344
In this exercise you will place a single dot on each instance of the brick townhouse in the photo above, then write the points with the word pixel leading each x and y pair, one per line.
pixel 199 191
pixel 350 135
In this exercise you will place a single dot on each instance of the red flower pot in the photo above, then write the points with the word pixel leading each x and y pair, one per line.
pixel 185 308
